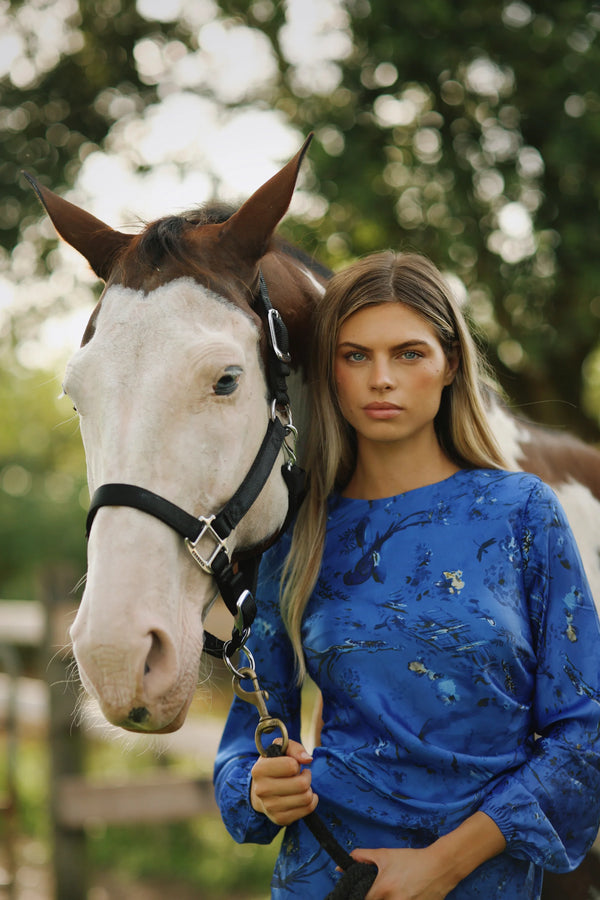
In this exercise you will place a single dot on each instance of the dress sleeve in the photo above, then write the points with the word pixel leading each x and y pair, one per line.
pixel 549 808
pixel 275 668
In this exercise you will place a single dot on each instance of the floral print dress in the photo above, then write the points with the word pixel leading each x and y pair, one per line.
pixel 456 644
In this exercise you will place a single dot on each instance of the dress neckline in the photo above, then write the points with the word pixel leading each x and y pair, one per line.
pixel 340 499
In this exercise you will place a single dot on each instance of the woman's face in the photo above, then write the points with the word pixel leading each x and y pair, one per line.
pixel 390 370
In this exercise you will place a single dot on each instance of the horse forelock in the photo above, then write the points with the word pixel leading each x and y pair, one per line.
pixel 163 252
pixel 165 237
pixel 168 248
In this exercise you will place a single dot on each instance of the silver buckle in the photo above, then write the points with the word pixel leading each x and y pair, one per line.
pixel 207 530
pixel 279 353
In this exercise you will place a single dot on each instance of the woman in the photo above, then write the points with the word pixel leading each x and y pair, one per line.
pixel 439 603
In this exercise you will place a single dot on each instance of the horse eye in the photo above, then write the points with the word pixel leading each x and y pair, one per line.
pixel 228 382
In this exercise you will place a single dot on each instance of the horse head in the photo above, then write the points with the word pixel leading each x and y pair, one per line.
pixel 171 390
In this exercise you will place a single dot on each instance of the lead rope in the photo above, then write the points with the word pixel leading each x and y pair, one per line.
pixel 357 877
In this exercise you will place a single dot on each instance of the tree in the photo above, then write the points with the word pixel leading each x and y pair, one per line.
pixel 473 134
pixel 470 133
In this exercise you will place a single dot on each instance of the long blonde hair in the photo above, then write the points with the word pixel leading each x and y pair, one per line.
pixel 461 424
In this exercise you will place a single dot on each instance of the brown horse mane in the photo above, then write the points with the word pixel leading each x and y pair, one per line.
pixel 164 238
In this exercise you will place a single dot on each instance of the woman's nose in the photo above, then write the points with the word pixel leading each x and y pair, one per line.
pixel 381 376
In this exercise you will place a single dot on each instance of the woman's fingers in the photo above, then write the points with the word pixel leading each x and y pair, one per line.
pixel 281 787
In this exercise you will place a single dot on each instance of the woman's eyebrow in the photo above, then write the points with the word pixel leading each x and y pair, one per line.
pixel 412 342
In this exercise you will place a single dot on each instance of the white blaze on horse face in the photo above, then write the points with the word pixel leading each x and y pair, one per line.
pixel 171 397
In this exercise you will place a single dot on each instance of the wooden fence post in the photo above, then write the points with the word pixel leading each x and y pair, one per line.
pixel 65 737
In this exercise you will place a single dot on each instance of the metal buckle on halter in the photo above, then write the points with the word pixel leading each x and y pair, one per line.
pixel 206 530
pixel 272 317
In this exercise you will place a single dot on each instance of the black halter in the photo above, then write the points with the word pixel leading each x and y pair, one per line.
pixel 236 584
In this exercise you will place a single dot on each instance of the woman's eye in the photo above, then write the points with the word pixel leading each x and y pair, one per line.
pixel 410 354
pixel 355 356
pixel 228 382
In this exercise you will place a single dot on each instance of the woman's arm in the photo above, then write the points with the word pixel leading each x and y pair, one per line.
pixel 549 808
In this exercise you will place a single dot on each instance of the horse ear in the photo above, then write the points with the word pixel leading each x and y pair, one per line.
pixel 99 243
pixel 252 226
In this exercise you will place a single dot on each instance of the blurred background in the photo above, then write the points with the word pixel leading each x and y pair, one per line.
pixel 467 131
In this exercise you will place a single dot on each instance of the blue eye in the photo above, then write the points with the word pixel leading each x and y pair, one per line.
pixel 228 382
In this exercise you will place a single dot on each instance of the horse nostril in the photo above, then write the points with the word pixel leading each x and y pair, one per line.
pixel 154 653
pixel 160 665
pixel 139 715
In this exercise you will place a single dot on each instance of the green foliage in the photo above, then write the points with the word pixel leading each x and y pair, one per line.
pixel 42 476
pixel 200 852
pixel 438 118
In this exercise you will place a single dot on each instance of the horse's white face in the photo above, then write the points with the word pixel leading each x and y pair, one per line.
pixel 153 391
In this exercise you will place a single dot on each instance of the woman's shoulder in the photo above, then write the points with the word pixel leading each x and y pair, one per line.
pixel 510 482
pixel 511 488
pixel 469 495
pixel 507 480
pixel 520 497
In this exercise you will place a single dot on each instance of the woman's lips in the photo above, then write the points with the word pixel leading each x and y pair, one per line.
pixel 382 410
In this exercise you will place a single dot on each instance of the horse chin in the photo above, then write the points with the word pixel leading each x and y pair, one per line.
pixel 141 720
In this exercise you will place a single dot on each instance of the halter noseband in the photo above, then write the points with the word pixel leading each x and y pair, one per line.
pixel 236 586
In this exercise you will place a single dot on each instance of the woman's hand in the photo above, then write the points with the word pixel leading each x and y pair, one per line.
pixel 405 874
pixel 431 873
pixel 281 786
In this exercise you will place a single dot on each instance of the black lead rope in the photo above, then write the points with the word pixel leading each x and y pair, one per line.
pixel 357 877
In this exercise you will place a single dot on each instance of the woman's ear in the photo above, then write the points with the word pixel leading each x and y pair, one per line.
pixel 452 363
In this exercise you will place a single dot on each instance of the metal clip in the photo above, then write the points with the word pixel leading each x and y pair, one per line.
pixel 267 724
pixel 273 317
pixel 291 432
pixel 289 445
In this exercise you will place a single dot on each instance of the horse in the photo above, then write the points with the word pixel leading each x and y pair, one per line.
pixel 175 399
pixel 170 385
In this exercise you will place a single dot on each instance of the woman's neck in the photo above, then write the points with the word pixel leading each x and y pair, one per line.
pixel 384 470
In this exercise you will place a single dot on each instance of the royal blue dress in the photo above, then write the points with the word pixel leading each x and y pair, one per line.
pixel 457 647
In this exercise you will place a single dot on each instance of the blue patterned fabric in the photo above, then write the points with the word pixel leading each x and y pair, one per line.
pixel 455 641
